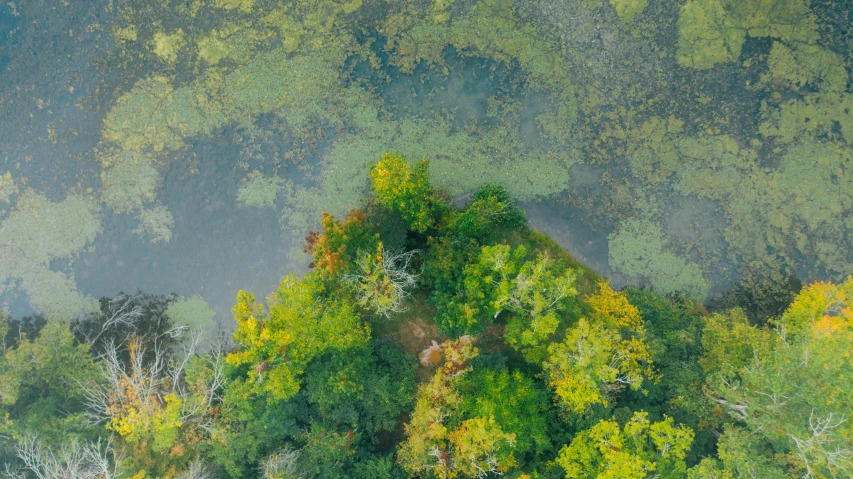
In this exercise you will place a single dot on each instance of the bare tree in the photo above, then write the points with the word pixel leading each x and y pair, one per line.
pixel 73 460
pixel 141 385
pixel 384 280
pixel 281 464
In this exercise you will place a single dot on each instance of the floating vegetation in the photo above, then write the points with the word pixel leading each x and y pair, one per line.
pixel 37 232
pixel 156 223
pixel 8 188
pixel 659 97
pixel 639 249
pixel 260 190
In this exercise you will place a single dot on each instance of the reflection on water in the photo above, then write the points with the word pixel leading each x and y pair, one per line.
pixel 199 144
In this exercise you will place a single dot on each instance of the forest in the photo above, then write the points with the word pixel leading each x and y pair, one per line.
pixel 437 339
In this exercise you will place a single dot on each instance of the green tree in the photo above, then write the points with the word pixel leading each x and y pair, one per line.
pixel 519 405
pixel 440 440
pixel 302 324
pixel 790 387
pixel 404 189
pixel 638 450
pixel 41 397
pixel 491 209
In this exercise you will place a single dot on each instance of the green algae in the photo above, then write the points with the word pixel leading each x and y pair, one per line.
pixel 628 10
pixel 155 223
pixel 714 31
pixel 259 190
pixel 39 231
pixel 639 249
pixel 8 187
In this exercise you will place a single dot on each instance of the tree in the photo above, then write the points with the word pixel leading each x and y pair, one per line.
pixel 404 189
pixel 601 355
pixel 336 250
pixel 491 208
pixel 40 393
pixel 440 440
pixel 162 408
pixel 302 324
pixel 518 404
pixel 790 387
pixel 638 450
pixel 383 280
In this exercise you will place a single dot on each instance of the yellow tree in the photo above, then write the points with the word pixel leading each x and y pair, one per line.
pixel 404 189
pixel 600 355
pixel 639 450
pixel 791 388
pixel 301 325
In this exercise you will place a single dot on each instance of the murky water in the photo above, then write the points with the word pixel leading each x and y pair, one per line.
pixel 205 140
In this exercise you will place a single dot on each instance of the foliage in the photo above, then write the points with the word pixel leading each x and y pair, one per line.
pixel 519 405
pixel 791 387
pixel 639 449
pixel 341 244
pixel 404 189
pixel 491 208
pixel 300 326
pixel 600 355
pixel 439 439
pixel 40 395
pixel 364 389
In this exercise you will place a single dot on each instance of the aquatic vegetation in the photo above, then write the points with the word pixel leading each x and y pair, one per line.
pixel 805 64
pixel 638 248
pixel 826 114
pixel 166 46
pixel 8 188
pixel 156 223
pixel 627 10
pixel 714 31
pixel 260 190
pixel 39 231
pixel 129 182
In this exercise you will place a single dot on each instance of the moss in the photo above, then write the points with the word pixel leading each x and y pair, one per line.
pixel 639 249
pixel 37 232
pixel 627 10
pixel 260 190
pixel 167 46
pixel 155 222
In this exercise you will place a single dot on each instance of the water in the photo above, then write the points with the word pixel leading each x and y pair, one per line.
pixel 492 104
